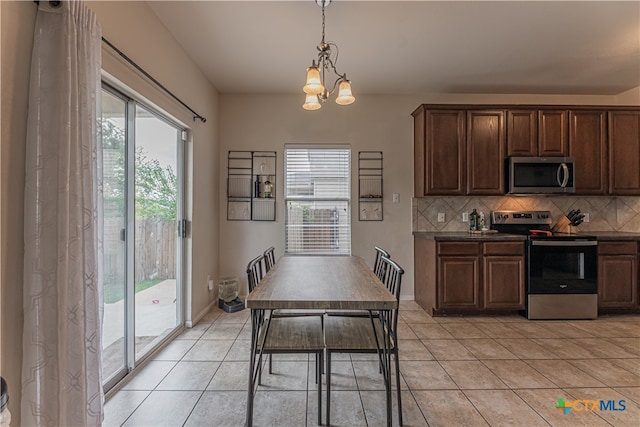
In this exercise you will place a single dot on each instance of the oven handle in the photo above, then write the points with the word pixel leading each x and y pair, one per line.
pixel 564 243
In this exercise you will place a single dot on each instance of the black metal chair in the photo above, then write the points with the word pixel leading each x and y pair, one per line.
pixel 357 334
pixel 269 258
pixel 284 333
pixel 378 266
pixel 255 272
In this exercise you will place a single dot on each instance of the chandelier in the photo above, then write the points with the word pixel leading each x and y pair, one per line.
pixel 315 88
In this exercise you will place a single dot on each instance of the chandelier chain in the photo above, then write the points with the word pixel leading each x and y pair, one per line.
pixel 323 2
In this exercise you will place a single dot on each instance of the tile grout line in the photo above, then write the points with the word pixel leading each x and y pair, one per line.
pixel 625 332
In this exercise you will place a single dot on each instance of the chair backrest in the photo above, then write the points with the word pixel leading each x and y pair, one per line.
pixel 269 258
pixel 255 272
pixel 377 265
pixel 392 279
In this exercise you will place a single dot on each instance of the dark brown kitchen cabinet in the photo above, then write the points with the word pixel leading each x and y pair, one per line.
pixel 503 275
pixel 485 152
pixel 617 275
pixel 469 276
pixel 588 145
pixel 624 152
pixel 533 132
pixel 439 152
pixel 553 135
pixel 522 133
pixel 458 276
pixel 461 149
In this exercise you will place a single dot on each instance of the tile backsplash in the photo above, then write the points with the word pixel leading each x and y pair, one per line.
pixel 620 213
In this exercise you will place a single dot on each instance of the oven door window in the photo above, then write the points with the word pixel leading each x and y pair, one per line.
pixel 562 270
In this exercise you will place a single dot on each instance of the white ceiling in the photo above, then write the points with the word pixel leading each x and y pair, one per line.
pixel 414 47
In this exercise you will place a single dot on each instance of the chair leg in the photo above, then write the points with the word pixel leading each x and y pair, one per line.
pixel 398 388
pixel 328 376
pixel 270 364
pixel 318 376
pixel 319 364
pixel 322 327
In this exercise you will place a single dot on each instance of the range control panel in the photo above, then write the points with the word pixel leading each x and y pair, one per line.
pixel 521 217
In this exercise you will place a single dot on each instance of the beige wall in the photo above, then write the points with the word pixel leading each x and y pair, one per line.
pixel 372 123
pixel 629 97
pixel 132 27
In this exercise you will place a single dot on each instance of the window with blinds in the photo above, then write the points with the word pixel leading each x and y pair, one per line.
pixel 317 195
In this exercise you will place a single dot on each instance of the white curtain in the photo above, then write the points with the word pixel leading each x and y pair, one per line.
pixel 61 366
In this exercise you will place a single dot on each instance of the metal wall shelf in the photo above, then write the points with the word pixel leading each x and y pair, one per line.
pixel 370 186
pixel 251 186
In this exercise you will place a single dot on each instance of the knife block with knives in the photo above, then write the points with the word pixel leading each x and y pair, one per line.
pixel 573 218
pixel 562 226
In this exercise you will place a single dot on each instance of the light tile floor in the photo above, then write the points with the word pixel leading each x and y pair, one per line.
pixel 456 371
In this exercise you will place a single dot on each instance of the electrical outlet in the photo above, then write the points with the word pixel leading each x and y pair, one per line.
pixel 396 198
pixel 465 217
pixel 586 217
pixel 210 283
pixel 440 216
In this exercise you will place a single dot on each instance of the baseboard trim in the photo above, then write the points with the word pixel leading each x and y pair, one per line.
pixel 193 322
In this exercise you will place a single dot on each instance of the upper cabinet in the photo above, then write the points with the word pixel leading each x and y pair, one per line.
pixel 624 152
pixel 462 149
pixel 552 133
pixel 458 152
pixel 522 133
pixel 485 152
pixel 439 152
pixel 588 145
pixel 533 132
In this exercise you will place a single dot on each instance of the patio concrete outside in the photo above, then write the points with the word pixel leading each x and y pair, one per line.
pixel 155 313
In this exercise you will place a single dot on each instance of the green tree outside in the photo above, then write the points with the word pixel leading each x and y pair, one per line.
pixel 155 196
pixel 155 185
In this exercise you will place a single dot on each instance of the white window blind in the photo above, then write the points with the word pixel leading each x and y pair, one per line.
pixel 317 195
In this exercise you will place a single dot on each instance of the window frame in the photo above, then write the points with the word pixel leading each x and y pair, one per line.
pixel 343 226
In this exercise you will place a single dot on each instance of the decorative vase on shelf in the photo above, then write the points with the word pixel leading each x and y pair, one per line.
pixel 268 189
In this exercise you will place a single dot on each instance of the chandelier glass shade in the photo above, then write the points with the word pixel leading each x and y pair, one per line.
pixel 315 87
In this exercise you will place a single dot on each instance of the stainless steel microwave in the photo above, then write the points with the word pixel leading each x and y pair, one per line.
pixel 540 175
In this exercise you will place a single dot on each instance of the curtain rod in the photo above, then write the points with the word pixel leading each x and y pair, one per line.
pixel 150 77
pixel 143 71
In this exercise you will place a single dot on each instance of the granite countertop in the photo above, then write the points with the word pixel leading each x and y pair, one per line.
pixel 465 235
pixel 613 235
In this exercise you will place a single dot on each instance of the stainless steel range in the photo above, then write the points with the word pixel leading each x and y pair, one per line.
pixel 562 268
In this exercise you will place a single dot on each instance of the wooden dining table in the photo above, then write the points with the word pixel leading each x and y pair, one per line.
pixel 299 282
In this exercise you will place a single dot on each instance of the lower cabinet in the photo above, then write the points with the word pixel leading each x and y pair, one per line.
pixel 465 277
pixel 458 276
pixel 618 275
pixel 504 282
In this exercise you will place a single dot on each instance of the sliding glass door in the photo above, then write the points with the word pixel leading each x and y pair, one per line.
pixel 155 224
pixel 115 221
pixel 142 159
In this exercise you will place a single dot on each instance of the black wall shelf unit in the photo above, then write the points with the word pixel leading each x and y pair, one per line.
pixel 370 186
pixel 251 185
